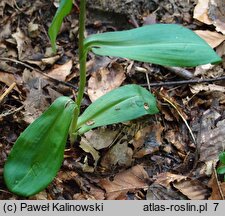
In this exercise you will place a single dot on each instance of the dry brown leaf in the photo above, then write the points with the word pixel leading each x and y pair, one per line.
pixel 120 154
pixel 214 39
pixel 165 179
pixel 212 136
pixel 126 181
pixel 33 29
pixel 218 188
pixel 8 79
pixel 201 12
pixel 3 3
pixel 105 80
pixel 60 72
pixel 195 89
pixel 159 192
pixel 174 137
pixel 192 188
pixel 5 31
pixel 147 140
pixel 84 144
pixel 217 14
pixel 36 101
pixel 24 47
pixel 101 138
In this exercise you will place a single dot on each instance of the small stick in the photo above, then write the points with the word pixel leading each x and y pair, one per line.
pixel 184 82
pixel 40 72
pixel 8 90
pixel 182 72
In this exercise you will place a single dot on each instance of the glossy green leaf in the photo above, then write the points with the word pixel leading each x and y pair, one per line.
pixel 222 157
pixel 64 9
pixel 122 104
pixel 38 152
pixel 163 44
pixel 221 170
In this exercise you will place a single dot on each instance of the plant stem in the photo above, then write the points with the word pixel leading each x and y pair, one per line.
pixel 82 61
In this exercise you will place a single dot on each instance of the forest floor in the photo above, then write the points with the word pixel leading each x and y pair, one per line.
pixel 171 155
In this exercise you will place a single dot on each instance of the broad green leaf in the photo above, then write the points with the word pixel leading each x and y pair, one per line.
pixel 63 10
pixel 38 152
pixel 221 170
pixel 122 104
pixel 163 44
pixel 222 157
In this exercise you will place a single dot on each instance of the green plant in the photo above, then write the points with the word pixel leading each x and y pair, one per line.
pixel 38 152
pixel 221 169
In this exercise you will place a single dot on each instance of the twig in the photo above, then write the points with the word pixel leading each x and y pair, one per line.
pixel 217 182
pixel 182 72
pixel 184 82
pixel 12 111
pixel 182 117
pixel 8 90
pixel 39 71
pixel 134 21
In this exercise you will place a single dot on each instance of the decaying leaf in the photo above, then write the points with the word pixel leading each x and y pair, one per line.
pixel 147 140
pixel 214 39
pixel 101 137
pixel 84 144
pixel 212 136
pixel 159 192
pixel 211 12
pixel 8 79
pixel 60 72
pixel 201 12
pixel 24 47
pixel 127 181
pixel 195 89
pixel 217 14
pixel 105 80
pixel 175 138
pixel 120 154
pixel 218 188
pixel 36 101
pixel 165 179
pixel 192 188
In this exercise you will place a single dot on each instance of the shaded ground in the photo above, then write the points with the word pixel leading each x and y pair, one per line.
pixel 172 155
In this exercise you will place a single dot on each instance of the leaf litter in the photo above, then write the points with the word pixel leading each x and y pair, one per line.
pixel 150 158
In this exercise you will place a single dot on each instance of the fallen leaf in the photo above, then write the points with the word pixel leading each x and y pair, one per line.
pixel 201 12
pixel 60 72
pixel 101 137
pixel 85 145
pixel 195 89
pixel 3 3
pixel 5 31
pixel 8 79
pixel 105 80
pixel 120 154
pixel 24 47
pixel 147 140
pixel 33 29
pixel 217 14
pixel 124 182
pixel 159 192
pixel 212 136
pixel 214 39
pixel 218 188
pixel 36 101
pixel 175 138
pixel 192 188
pixel 165 179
